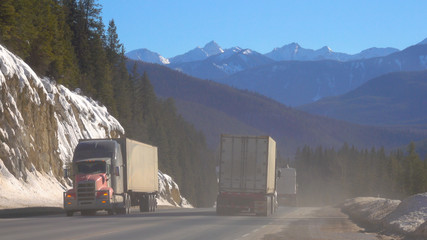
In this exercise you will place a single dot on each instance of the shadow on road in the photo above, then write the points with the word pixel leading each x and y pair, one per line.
pixel 30 211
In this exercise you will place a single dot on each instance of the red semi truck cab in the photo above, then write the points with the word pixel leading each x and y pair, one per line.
pixel 93 187
pixel 97 168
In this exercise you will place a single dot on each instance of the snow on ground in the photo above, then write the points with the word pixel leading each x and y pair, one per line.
pixel 406 217
pixel 40 189
pixel 409 215
pixel 369 209
pixel 169 194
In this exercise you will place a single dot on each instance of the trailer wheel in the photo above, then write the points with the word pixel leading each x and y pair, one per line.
pixel 152 203
pixel 144 203
pixel 70 213
pixel 127 203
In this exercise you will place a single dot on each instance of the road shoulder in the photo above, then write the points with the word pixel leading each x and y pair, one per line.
pixel 322 223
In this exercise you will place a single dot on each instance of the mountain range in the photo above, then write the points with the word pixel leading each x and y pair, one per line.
pixel 215 108
pixel 289 52
pixel 297 83
pixel 291 74
pixel 294 52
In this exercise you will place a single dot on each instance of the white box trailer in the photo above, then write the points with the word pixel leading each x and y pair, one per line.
pixel 142 181
pixel 247 175
pixel 141 165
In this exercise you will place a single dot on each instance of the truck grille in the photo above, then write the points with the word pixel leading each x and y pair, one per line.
pixel 86 191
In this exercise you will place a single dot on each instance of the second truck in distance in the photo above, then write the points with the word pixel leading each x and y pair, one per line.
pixel 247 175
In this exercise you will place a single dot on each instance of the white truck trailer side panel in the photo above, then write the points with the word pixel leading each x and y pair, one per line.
pixel 247 164
pixel 142 168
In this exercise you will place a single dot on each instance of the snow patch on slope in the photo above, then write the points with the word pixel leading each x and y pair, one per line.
pixel 169 194
pixel 40 189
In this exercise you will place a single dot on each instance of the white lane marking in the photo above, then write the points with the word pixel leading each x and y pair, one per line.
pixel 254 231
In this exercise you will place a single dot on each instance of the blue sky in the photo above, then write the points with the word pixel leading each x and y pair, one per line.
pixel 172 27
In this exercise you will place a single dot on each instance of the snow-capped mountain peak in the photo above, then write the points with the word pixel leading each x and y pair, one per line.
pixel 212 48
pixel 292 51
pixel 325 49
pixel 198 53
pixel 247 52
pixel 146 55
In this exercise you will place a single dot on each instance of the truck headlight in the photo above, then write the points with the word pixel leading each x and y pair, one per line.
pixel 102 194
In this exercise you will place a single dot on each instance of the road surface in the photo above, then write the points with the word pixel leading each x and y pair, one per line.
pixel 175 224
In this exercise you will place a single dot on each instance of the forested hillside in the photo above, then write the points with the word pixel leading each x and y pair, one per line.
pixel 66 41
pixel 351 172
pixel 395 99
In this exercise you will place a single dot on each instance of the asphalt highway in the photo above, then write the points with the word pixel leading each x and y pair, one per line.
pixel 167 224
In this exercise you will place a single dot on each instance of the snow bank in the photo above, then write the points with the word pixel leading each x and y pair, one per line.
pixel 406 217
pixel 369 210
pixel 409 215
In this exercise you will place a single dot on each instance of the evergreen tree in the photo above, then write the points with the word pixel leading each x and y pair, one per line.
pixel 7 20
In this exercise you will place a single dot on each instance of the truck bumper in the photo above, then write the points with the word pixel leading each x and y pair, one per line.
pixel 240 202
pixel 96 204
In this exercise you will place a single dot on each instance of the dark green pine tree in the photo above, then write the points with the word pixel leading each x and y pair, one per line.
pixel 7 20
pixel 123 92
pixel 113 45
pixel 415 172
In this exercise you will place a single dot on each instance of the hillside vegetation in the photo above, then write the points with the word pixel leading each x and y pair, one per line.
pixel 348 172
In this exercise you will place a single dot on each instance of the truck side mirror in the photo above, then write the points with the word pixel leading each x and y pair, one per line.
pixel 108 169
pixel 117 171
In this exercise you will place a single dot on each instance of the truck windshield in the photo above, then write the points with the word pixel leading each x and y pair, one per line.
pixel 91 167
